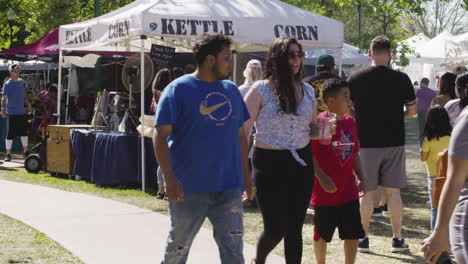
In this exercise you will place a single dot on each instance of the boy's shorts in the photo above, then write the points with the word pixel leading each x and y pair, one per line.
pixel 346 217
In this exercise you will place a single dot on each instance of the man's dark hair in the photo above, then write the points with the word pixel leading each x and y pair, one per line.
pixel 380 44
pixel 460 69
pixel 462 88
pixel 324 68
pixel 176 72
pixel 425 81
pixel 52 87
pixel 332 87
pixel 209 44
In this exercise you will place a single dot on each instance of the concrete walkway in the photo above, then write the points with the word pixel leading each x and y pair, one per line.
pixel 102 231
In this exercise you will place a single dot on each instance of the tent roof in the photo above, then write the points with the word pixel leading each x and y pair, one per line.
pixel 350 55
pixel 252 24
pixel 416 42
pixel 436 47
pixel 26 65
pixel 47 49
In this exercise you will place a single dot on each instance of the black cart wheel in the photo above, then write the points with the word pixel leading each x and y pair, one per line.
pixel 33 164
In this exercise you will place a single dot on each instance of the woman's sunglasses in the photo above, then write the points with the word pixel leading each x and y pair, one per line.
pixel 296 54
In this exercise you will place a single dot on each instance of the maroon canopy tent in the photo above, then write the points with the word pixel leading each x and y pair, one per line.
pixel 47 49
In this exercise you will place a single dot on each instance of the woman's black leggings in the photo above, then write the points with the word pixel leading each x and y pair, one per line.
pixel 284 188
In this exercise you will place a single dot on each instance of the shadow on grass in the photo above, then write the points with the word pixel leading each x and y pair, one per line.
pixel 394 256
pixel 8 169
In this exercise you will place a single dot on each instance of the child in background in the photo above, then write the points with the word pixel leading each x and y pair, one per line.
pixel 340 161
pixel 437 132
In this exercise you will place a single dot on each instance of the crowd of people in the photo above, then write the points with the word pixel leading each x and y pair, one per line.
pixel 219 145
pixel 205 123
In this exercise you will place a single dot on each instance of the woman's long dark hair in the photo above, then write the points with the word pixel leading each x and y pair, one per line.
pixel 277 69
pixel 462 89
pixel 447 84
pixel 437 123
pixel 162 79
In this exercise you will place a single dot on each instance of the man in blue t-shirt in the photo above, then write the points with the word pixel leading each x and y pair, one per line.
pixel 202 150
pixel 13 102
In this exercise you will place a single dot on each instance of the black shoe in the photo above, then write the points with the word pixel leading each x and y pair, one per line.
pixel 160 195
pixel 363 246
pixel 8 157
pixel 399 245
pixel 384 209
pixel 377 212
pixel 25 154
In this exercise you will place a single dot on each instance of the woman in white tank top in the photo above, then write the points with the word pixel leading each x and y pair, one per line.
pixel 284 111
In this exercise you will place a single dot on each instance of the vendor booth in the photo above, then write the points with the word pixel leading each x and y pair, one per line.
pixel 253 25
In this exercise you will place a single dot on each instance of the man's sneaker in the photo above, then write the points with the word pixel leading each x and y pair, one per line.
pixel 8 157
pixel 377 212
pixel 363 246
pixel 385 209
pixel 399 245
pixel 25 154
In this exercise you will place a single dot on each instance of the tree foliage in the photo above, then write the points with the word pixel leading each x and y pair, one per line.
pixel 438 16
pixel 378 17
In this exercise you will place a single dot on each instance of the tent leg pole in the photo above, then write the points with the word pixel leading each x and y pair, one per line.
pixel 234 73
pixel 59 86
pixel 68 95
pixel 142 112
pixel 340 61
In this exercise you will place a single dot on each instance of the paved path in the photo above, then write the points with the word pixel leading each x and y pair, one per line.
pixel 102 231
pixel 14 163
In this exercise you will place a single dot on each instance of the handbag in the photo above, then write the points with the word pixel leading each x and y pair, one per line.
pixel 441 174
pixel 148 126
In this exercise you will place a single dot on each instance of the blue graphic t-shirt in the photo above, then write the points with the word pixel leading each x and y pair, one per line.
pixel 204 144
pixel 15 92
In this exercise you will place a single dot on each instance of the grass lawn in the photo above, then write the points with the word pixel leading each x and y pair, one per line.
pixel 20 243
pixel 415 221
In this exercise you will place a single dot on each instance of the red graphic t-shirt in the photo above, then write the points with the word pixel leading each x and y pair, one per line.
pixel 337 161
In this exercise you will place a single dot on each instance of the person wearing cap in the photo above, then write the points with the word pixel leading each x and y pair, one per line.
pixel 13 102
pixel 252 73
pixel 325 70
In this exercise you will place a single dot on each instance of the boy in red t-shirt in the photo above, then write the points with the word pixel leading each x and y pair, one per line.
pixel 340 161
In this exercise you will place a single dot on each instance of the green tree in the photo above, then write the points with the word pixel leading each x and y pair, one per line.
pixel 378 17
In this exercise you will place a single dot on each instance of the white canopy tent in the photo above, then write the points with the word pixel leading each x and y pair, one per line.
pixel 350 55
pixel 416 43
pixel 32 65
pixel 251 24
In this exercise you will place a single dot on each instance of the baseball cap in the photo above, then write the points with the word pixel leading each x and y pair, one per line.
pixel 254 64
pixel 13 67
pixel 326 60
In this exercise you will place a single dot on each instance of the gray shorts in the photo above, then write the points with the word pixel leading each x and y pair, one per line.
pixel 384 167
pixel 459 232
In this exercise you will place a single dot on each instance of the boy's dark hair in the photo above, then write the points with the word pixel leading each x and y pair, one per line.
pixel 209 44
pixel 331 87
pixel 380 44
pixel 437 123
pixel 462 89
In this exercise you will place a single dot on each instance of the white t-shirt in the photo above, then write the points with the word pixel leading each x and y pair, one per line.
pixel 453 110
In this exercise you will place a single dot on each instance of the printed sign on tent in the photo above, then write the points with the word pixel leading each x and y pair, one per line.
pixel 161 55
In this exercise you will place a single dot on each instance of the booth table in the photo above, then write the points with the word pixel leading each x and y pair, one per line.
pixel 112 158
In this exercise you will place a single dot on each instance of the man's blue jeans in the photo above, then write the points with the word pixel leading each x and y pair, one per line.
pixel 225 211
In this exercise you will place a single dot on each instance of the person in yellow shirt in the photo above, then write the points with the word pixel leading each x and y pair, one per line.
pixel 437 132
